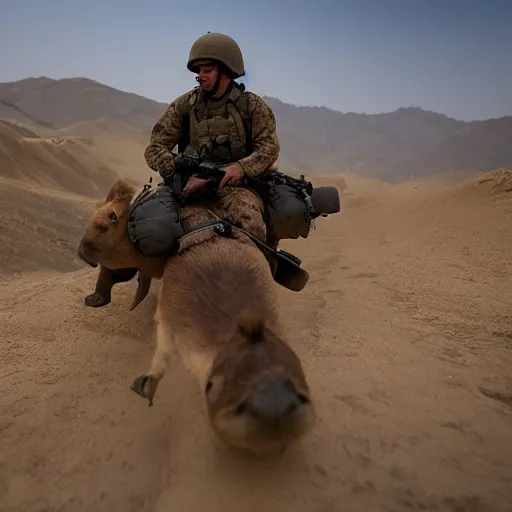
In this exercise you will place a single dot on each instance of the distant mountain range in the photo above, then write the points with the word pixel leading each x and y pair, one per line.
pixel 396 146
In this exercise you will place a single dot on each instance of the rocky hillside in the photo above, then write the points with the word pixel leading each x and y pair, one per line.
pixel 396 146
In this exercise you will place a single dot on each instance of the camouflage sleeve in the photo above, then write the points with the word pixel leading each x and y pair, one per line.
pixel 164 137
pixel 264 139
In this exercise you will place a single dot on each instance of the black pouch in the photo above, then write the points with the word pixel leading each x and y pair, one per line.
pixel 287 212
pixel 155 225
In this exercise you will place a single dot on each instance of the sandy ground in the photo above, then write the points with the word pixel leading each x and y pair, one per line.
pixel 405 331
pixel 40 228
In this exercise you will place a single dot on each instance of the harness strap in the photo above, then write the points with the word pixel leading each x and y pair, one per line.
pixel 258 243
pixel 289 273
pixel 220 226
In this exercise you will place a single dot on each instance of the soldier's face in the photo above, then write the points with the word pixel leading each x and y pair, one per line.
pixel 207 76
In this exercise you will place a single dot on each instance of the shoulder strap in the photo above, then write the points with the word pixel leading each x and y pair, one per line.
pixel 184 138
pixel 242 106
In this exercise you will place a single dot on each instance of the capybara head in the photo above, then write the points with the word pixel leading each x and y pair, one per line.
pixel 106 240
pixel 257 395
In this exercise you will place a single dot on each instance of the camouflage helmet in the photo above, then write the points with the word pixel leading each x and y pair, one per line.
pixel 220 48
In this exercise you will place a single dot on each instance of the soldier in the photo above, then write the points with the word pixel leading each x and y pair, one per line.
pixel 218 120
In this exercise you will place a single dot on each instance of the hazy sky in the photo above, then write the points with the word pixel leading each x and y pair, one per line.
pixel 371 56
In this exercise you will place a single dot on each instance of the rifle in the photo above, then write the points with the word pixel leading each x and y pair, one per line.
pixel 185 167
pixel 188 166
pixel 263 185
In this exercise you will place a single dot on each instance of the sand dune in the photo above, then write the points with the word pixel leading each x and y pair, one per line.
pixel 40 228
pixel 20 129
pixel 498 184
pixel 65 164
pixel 404 330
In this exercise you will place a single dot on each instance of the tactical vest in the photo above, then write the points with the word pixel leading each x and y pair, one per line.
pixel 217 130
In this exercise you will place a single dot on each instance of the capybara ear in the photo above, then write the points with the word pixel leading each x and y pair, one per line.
pixel 121 191
pixel 251 328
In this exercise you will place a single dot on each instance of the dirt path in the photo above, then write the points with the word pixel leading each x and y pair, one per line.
pixel 406 334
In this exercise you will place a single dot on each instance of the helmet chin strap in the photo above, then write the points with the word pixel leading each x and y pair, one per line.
pixel 217 83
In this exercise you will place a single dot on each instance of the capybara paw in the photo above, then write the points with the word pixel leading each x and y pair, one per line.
pixel 145 386
pixel 96 300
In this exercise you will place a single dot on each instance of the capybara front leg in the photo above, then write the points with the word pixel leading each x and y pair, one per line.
pixel 107 278
pixel 145 385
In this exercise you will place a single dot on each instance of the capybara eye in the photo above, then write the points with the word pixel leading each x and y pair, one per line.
pixel 209 385
pixel 241 408
pixel 113 217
